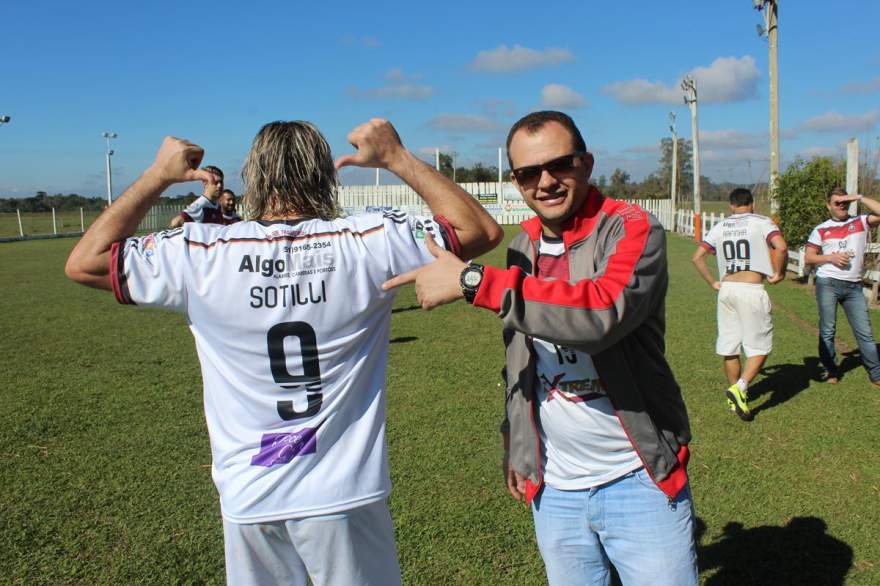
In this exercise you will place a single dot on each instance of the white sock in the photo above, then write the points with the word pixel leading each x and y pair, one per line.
pixel 743 385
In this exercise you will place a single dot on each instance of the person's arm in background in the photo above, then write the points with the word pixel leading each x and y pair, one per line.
pixel 778 257
pixel 378 145
pixel 89 261
pixel 699 260
pixel 872 205
pixel 177 221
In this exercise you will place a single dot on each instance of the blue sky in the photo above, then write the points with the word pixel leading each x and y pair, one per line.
pixel 453 75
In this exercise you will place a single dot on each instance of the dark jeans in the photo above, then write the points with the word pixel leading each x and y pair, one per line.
pixel 830 292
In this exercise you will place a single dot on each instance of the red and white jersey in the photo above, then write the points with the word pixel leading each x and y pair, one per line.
pixel 292 329
pixel 584 443
pixel 849 236
pixel 742 243
pixel 203 211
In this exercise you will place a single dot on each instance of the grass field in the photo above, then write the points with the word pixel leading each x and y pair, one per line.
pixel 104 457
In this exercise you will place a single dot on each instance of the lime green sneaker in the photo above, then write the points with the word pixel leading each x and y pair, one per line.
pixel 739 402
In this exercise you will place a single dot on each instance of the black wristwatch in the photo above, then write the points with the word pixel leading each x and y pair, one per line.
pixel 470 280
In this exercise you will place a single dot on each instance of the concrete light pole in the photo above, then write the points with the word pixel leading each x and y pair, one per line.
pixel 689 86
pixel 108 136
pixel 770 29
pixel 673 187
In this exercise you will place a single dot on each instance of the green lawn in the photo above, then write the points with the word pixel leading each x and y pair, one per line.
pixel 104 457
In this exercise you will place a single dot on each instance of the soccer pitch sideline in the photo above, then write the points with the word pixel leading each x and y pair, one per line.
pixel 104 457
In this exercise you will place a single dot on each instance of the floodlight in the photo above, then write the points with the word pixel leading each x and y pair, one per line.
pixel 758 4
pixel 5 119
pixel 761 30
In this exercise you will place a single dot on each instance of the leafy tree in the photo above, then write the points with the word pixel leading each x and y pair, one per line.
pixel 619 187
pixel 801 193
pixel 685 177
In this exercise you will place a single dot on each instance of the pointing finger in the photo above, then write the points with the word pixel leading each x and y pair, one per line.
pixel 399 280
pixel 347 160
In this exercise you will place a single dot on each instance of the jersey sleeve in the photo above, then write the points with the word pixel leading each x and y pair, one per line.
pixel 770 230
pixel 710 240
pixel 815 239
pixel 194 212
pixel 406 234
pixel 864 219
pixel 149 270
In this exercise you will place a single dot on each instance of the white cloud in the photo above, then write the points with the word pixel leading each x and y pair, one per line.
pixel 430 151
pixel 727 79
pixel 643 149
pixel 731 139
pixel 518 58
pixel 464 123
pixel 862 87
pixel 820 151
pixel 834 122
pixel 398 85
pixel 365 42
pixel 556 95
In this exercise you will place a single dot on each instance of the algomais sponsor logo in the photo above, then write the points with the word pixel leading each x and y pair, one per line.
pixel 291 266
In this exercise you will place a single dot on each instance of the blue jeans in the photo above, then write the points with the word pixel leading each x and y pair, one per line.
pixel 830 292
pixel 628 522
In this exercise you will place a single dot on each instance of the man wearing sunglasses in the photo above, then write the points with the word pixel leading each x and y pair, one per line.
pixel 837 246
pixel 595 431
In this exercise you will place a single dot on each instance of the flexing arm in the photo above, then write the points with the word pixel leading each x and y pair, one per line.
pixel 177 161
pixel 699 260
pixel 378 145
pixel 177 221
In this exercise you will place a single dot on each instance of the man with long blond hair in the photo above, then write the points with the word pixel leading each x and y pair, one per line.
pixel 294 376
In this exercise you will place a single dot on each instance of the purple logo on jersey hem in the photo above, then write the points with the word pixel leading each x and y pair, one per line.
pixel 281 448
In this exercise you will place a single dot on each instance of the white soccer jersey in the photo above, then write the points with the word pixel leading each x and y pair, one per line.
pixel 849 236
pixel 203 211
pixel 292 327
pixel 742 243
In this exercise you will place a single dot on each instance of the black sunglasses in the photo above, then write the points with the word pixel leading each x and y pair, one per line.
pixel 558 166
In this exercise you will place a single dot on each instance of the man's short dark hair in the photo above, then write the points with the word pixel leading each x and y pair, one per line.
pixel 214 170
pixel 536 120
pixel 229 191
pixel 836 191
pixel 740 197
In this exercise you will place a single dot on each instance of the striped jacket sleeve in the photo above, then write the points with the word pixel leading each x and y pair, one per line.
pixel 590 314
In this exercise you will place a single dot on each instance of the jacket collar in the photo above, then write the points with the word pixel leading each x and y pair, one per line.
pixel 578 226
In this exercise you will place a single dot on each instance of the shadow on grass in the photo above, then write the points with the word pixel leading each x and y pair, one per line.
pixel 403 339
pixel 408 308
pixel 801 552
pixel 784 381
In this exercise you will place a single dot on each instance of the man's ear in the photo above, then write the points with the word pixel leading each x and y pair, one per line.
pixel 589 161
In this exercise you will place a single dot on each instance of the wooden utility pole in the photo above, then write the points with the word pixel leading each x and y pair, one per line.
pixel 689 85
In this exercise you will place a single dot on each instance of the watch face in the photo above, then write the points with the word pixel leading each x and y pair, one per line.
pixel 472 278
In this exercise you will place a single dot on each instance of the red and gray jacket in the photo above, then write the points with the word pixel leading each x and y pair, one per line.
pixel 613 309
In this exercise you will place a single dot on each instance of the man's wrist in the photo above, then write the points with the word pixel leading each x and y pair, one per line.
pixel 402 164
pixel 154 178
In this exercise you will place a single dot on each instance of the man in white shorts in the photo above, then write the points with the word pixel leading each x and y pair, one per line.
pixel 838 246
pixel 749 248
pixel 294 375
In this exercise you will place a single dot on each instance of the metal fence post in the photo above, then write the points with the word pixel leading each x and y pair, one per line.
pixel 20 229
pixel 54 225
